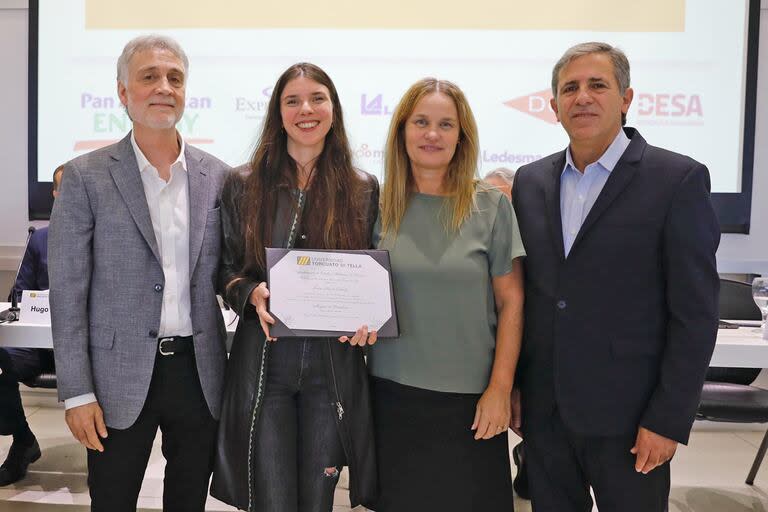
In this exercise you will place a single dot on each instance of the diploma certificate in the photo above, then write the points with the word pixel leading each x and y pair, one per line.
pixel 330 293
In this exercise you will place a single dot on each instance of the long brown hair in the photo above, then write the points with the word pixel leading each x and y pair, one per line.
pixel 334 218
pixel 461 178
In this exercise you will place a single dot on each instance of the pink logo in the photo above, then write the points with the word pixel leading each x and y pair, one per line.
pixel 535 104
pixel 669 105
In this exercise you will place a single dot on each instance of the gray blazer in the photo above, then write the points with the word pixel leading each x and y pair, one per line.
pixel 104 267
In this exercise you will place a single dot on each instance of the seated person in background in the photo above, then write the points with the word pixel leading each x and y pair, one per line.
pixel 23 364
pixel 501 178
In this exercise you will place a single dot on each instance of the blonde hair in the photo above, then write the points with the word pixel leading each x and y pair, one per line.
pixel 461 179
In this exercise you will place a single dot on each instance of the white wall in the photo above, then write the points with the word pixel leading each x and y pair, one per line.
pixel 737 254
pixel 13 130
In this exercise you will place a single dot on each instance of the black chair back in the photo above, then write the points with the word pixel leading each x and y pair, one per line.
pixel 736 301
pixel 736 304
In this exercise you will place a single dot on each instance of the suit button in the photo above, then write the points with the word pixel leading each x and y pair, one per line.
pixel 158 287
pixel 561 304
pixel 153 333
pixel 303 237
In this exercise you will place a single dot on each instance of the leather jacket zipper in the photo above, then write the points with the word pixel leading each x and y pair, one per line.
pixel 339 407
pixel 257 403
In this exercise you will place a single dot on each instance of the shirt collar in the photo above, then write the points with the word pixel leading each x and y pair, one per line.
pixel 144 163
pixel 610 158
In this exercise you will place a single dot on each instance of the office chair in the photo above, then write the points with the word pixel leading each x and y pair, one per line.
pixel 728 395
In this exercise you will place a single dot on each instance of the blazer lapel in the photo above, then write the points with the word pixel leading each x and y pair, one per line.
pixel 198 204
pixel 126 175
pixel 620 177
pixel 552 199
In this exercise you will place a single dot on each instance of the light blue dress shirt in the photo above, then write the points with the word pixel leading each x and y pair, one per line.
pixel 578 192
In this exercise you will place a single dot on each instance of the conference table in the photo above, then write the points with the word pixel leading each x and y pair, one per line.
pixel 737 348
pixel 20 334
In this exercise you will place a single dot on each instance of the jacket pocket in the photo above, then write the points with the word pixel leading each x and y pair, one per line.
pixel 102 336
pixel 635 347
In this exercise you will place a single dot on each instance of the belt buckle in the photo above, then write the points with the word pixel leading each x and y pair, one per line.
pixel 161 350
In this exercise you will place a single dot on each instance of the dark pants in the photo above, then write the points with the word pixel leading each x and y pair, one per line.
pixel 297 438
pixel 18 365
pixel 175 403
pixel 562 466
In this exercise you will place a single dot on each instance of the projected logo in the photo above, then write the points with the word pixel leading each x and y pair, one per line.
pixel 510 158
pixel 535 104
pixel 366 152
pixel 254 107
pixel 374 106
pixel 109 121
pixel 649 108
pixel 668 109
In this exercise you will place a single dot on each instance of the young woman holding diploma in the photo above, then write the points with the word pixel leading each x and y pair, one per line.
pixel 295 410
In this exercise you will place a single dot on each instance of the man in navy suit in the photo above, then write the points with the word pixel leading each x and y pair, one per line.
pixel 23 364
pixel 621 298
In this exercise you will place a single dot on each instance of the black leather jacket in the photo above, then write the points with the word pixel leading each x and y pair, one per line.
pixel 233 479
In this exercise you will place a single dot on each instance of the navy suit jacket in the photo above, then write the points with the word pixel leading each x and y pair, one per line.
pixel 620 333
pixel 33 274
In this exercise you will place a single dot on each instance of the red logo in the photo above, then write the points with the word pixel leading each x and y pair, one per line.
pixel 535 104
pixel 669 105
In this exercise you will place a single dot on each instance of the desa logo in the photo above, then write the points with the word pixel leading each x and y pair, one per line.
pixel 650 108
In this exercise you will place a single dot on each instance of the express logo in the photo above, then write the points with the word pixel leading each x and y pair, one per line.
pixel 374 106
pixel 254 108
pixel 302 260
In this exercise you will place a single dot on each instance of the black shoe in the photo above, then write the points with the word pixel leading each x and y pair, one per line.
pixel 520 484
pixel 19 457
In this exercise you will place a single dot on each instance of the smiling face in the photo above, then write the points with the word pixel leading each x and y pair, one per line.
pixel 432 132
pixel 307 114
pixel 589 104
pixel 155 89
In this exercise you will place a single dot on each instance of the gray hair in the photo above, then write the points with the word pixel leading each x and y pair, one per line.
pixel 508 175
pixel 148 42
pixel 619 59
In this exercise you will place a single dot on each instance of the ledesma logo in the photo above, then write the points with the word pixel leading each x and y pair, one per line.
pixel 302 260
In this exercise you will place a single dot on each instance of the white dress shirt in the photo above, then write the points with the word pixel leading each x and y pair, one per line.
pixel 169 210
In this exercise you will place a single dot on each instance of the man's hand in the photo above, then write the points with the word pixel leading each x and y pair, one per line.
pixel 86 423
pixel 652 450
pixel 492 413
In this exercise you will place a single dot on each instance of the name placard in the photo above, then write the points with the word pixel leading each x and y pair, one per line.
pixel 34 307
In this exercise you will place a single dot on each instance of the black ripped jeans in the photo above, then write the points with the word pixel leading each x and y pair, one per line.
pixel 297 437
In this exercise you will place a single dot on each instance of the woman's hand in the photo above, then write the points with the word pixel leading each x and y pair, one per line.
pixel 258 299
pixel 493 413
pixel 361 337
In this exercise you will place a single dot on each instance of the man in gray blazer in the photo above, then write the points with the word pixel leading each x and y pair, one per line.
pixel 138 336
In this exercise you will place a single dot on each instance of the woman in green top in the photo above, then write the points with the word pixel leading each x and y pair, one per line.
pixel 441 392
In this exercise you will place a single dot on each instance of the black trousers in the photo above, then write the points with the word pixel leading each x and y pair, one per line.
pixel 175 403
pixel 562 466
pixel 17 365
